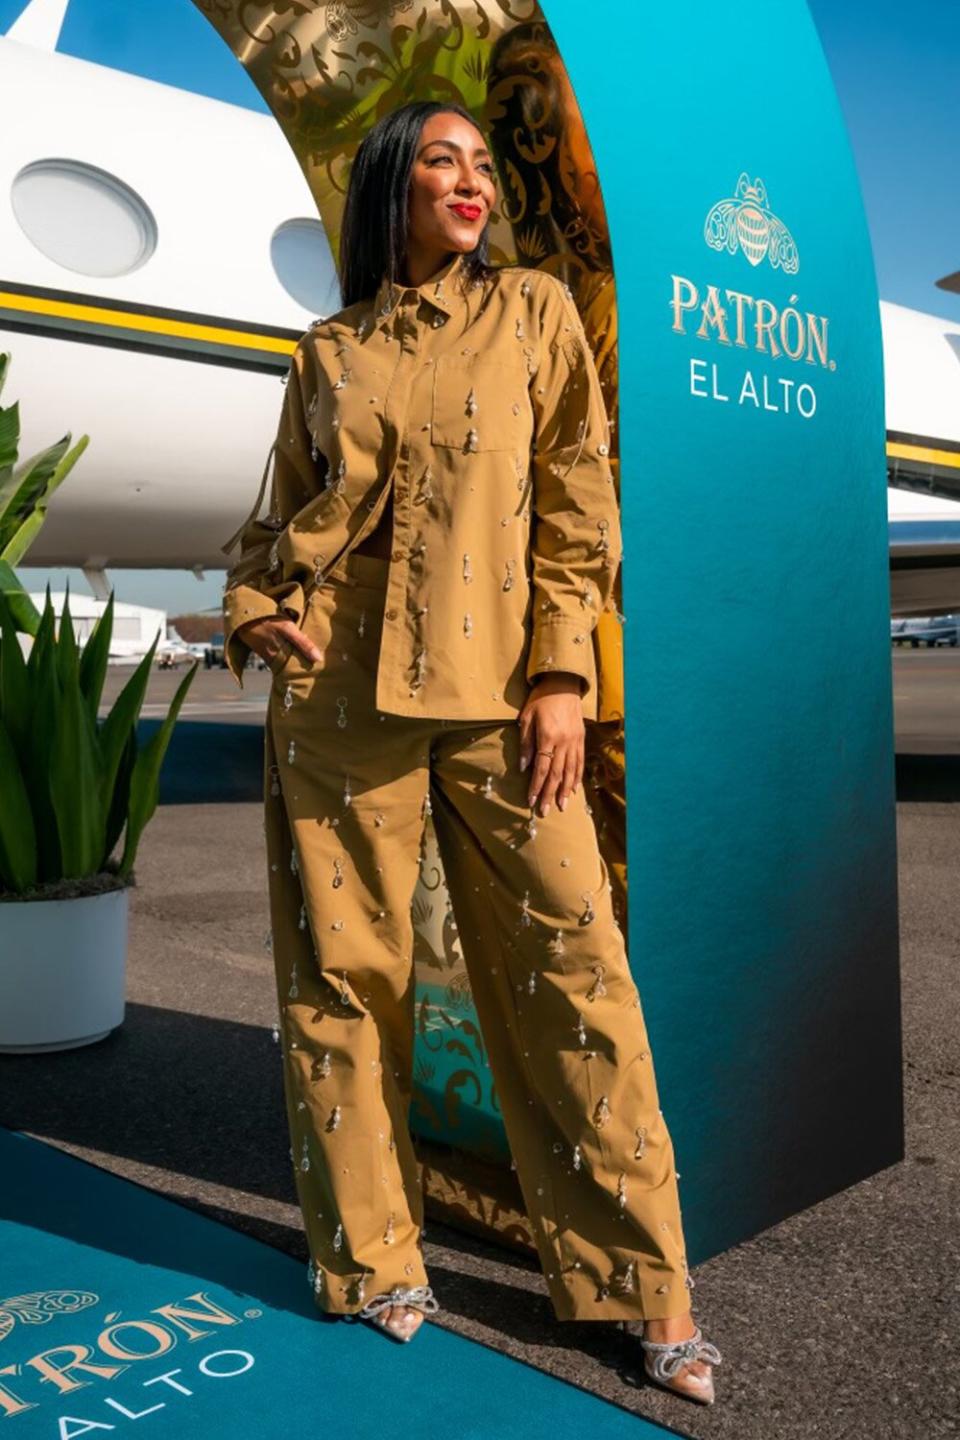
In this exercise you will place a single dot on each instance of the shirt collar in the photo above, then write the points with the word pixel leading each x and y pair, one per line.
pixel 443 290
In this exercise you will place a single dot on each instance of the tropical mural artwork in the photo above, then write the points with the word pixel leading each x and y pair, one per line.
pixel 328 71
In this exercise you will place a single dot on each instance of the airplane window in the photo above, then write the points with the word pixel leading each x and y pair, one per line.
pixel 83 218
pixel 303 264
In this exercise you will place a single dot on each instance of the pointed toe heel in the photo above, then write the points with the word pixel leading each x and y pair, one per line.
pixel 664 1364
pixel 413 1297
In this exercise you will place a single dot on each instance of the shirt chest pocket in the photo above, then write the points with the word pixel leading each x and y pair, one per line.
pixel 480 403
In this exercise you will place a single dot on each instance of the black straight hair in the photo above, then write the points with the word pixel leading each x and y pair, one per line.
pixel 373 235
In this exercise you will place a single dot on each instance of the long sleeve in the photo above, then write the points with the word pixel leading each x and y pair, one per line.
pixel 249 592
pixel 575 540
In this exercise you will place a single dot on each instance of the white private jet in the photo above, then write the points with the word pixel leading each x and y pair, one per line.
pixel 122 193
pixel 162 255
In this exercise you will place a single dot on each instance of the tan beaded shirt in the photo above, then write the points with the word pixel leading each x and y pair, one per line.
pixel 476 412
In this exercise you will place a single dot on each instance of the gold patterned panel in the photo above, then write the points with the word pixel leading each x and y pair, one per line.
pixel 328 71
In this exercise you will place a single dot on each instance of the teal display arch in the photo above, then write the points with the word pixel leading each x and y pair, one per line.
pixel 763 928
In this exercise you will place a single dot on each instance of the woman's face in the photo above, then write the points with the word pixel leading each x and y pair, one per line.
pixel 452 186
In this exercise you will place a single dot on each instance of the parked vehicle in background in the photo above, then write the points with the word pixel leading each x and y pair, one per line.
pixel 926 630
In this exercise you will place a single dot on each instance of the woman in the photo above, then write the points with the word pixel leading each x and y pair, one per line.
pixel 442 535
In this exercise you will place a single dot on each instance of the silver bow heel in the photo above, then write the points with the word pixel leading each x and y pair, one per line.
pixel 663 1362
pixel 415 1297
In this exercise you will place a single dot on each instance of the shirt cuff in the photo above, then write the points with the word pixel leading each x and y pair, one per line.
pixel 243 603
pixel 562 644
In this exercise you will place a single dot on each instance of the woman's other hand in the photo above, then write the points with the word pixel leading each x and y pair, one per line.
pixel 551 739
pixel 268 635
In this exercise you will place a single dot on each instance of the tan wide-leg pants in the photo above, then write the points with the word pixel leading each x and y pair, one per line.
pixel 347 792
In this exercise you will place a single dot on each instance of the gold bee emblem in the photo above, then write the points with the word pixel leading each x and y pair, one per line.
pixel 744 222
pixel 39 1306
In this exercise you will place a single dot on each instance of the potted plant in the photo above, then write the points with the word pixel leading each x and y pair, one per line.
pixel 73 788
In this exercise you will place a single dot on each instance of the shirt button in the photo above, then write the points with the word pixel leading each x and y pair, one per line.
pixel 391 614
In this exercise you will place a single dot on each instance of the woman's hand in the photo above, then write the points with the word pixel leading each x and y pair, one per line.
pixel 267 636
pixel 551 735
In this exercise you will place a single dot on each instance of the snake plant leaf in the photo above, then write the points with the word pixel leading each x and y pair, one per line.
pixel 25 614
pixel 121 721
pixel 18 841
pixel 120 797
pixel 93 659
pixel 68 654
pixel 44 638
pixel 44 708
pixel 76 783
pixel 15 707
pixel 145 780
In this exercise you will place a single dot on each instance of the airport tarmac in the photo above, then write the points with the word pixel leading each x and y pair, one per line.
pixel 840 1322
pixel 926 697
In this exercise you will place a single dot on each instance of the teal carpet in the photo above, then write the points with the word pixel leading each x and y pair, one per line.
pixel 175 1325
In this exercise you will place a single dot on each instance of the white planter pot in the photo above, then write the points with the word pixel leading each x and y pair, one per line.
pixel 62 971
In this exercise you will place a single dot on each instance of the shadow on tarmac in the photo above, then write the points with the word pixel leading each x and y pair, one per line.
pixel 928 777
pixel 194 1064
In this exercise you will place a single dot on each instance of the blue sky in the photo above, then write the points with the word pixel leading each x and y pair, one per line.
pixel 896 66
pixel 167 40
